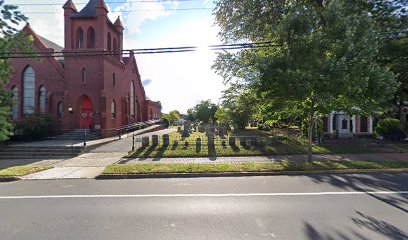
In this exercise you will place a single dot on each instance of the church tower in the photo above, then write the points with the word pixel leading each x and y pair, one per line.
pixel 88 34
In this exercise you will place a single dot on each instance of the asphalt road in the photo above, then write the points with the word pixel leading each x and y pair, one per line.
pixel 356 206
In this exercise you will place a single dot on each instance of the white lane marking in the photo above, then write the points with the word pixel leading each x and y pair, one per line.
pixel 207 195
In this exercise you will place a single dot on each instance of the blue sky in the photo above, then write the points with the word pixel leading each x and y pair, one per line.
pixel 178 80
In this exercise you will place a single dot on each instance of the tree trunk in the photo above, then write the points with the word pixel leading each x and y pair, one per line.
pixel 310 138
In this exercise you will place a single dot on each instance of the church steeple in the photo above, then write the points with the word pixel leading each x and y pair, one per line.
pixel 70 6
pixel 118 24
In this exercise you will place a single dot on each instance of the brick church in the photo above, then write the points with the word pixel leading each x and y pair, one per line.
pixel 102 92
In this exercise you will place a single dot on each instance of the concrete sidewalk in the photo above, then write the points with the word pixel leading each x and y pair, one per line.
pixel 91 164
pixel 271 158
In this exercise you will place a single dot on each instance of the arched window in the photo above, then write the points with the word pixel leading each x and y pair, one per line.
pixel 113 109
pixel 80 38
pixel 60 110
pixel 84 76
pixel 91 37
pixel 115 46
pixel 28 91
pixel 42 98
pixel 109 42
pixel 132 99
pixel 14 97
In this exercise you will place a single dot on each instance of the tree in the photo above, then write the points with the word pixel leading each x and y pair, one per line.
pixel 322 57
pixel 10 39
pixel 174 116
pixel 222 116
pixel 204 111
pixel 241 106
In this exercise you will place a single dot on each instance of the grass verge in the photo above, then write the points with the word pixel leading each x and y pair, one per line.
pixel 20 171
pixel 137 169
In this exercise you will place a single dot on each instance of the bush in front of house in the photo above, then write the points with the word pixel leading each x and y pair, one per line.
pixel 391 129
pixel 36 126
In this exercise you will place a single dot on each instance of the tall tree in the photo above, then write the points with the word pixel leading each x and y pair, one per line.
pixel 10 39
pixel 240 105
pixel 322 57
pixel 204 111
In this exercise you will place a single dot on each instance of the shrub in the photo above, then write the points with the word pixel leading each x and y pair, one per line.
pixel 166 122
pixel 266 128
pixel 390 128
pixel 260 126
pixel 35 126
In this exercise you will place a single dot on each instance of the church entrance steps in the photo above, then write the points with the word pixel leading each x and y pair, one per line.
pixel 19 152
pixel 78 134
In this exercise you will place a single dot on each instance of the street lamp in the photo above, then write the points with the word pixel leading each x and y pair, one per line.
pixel 72 116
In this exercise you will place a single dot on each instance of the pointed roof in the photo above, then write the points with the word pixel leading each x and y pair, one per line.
pixel 89 11
pixel 118 23
pixel 69 4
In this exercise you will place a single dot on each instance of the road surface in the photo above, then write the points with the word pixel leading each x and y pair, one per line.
pixel 354 206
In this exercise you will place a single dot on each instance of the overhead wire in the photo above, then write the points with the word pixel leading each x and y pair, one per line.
pixel 88 53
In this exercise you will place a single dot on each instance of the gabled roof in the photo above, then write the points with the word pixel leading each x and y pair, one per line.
pixel 89 11
pixel 42 44
pixel 50 44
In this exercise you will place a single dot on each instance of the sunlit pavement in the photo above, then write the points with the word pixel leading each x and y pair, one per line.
pixel 329 206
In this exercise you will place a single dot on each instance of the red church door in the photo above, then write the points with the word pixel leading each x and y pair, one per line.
pixel 86 111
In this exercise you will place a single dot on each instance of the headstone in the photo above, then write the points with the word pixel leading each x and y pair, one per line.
pixel 186 131
pixel 155 140
pixel 166 140
pixel 242 141
pixel 232 141
pixel 254 141
pixel 221 131
pixel 198 145
pixel 210 137
pixel 145 142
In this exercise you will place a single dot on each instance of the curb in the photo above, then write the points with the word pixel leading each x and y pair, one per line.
pixel 246 174
pixel 9 179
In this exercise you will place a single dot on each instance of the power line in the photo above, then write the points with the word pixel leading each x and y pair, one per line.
pixel 107 2
pixel 89 53
pixel 135 10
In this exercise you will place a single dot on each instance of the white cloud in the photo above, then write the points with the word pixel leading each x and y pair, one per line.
pixel 180 80
pixel 136 13
pixel 49 23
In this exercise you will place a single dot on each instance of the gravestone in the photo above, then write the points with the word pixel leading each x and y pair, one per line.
pixel 221 131
pixel 145 142
pixel 210 137
pixel 242 141
pixel 166 140
pixel 186 131
pixel 254 141
pixel 155 140
pixel 232 141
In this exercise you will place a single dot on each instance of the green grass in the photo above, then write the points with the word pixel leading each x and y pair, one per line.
pixel 134 169
pixel 19 171
pixel 278 142
pixel 275 146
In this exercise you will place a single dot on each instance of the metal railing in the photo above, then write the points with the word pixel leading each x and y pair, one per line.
pixel 134 126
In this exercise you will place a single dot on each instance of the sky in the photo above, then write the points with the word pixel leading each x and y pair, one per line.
pixel 178 80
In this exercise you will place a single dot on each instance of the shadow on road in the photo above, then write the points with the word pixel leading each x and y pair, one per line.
pixel 363 222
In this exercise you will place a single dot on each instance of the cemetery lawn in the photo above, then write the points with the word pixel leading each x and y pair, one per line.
pixel 274 145
pixel 135 169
